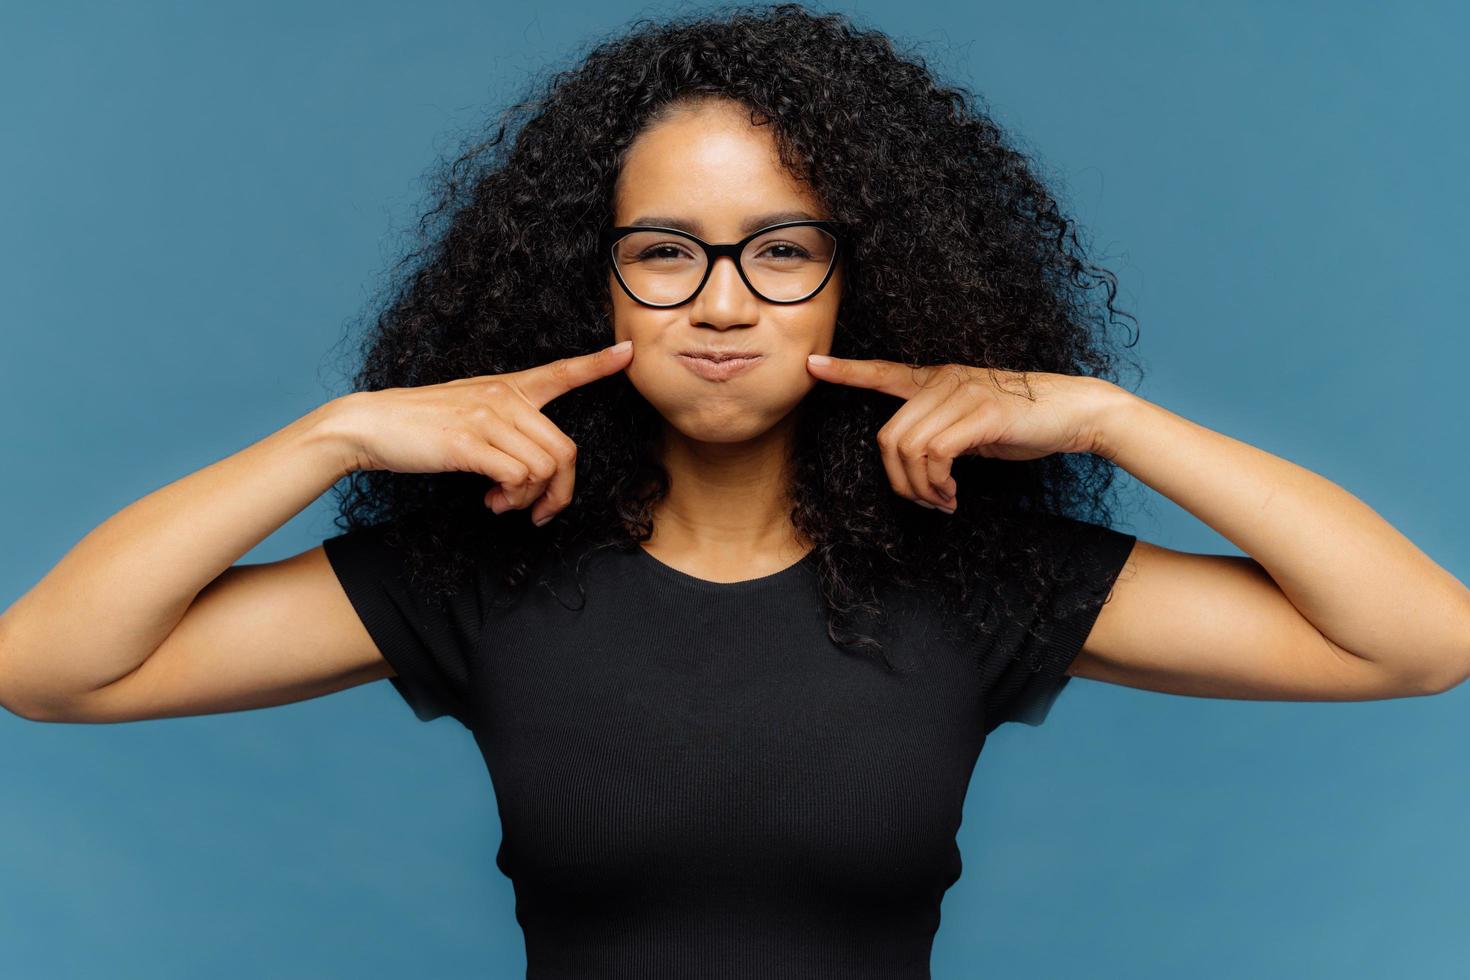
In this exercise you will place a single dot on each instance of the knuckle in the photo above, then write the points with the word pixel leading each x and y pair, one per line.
pixel 911 448
pixel 478 413
pixel 465 441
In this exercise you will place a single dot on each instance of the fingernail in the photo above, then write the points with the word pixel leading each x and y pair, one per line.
pixel 618 348
pixel 925 503
pixel 946 494
pixel 543 520
pixel 819 359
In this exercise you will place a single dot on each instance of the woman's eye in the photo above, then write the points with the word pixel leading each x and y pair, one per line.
pixel 662 252
pixel 791 251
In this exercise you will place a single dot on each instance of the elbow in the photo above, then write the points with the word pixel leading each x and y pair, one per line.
pixel 1443 680
pixel 37 708
pixel 30 712
pixel 22 706
pixel 28 716
pixel 30 709
pixel 20 693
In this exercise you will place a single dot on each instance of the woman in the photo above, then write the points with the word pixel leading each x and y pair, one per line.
pixel 729 621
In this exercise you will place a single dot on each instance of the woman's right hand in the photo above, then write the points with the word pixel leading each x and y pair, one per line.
pixel 490 424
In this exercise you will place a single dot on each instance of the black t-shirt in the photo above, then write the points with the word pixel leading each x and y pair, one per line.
pixel 693 780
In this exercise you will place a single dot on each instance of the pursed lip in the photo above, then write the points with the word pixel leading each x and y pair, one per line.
pixel 719 355
pixel 722 369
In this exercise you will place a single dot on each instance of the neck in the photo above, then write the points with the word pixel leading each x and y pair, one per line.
pixel 731 500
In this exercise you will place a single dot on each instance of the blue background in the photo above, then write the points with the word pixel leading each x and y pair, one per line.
pixel 196 203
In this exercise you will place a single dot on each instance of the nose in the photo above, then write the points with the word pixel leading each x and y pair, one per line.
pixel 725 300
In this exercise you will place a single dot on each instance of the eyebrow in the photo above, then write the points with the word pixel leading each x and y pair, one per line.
pixel 749 225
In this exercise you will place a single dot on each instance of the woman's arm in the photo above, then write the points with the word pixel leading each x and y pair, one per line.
pixel 1360 583
pixel 1329 603
pixel 118 593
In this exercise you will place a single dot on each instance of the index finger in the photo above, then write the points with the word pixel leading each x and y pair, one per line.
pixel 891 377
pixel 544 382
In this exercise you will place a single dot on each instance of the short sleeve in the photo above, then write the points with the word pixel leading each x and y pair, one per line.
pixel 1026 673
pixel 429 646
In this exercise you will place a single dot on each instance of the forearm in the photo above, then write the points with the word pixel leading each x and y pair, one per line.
pixel 115 596
pixel 1363 585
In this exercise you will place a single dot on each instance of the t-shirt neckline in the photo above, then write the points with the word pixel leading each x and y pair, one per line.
pixel 686 580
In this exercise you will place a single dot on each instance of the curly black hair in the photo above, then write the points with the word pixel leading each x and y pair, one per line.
pixel 956 253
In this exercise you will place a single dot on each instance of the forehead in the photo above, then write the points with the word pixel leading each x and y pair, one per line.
pixel 710 165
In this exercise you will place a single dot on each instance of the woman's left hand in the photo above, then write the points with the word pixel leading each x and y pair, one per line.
pixel 954 410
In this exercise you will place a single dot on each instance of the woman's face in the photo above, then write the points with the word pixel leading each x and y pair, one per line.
pixel 714 172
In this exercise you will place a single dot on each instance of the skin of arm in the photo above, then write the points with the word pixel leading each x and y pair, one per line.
pixel 139 571
pixel 1329 602
pixel 1360 582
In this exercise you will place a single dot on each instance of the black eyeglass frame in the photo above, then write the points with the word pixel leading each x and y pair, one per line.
pixel 612 236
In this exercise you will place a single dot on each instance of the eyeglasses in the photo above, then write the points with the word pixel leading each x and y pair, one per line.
pixel 784 263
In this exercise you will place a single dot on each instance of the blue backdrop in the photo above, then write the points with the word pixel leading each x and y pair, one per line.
pixel 197 201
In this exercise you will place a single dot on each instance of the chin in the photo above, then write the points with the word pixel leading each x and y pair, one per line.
pixel 722 422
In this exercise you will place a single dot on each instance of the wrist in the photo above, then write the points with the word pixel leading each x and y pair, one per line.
pixel 1110 408
pixel 329 430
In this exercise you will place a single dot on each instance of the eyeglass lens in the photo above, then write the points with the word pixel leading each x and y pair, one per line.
pixel 786 264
